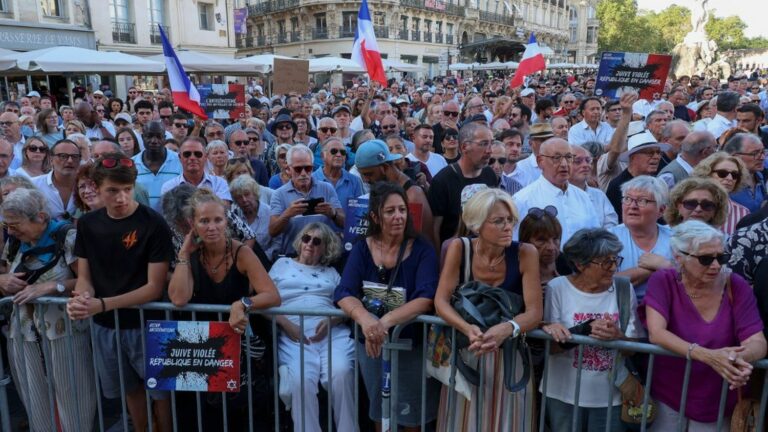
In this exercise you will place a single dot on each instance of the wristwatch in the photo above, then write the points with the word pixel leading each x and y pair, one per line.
pixel 247 302
pixel 60 288
pixel 515 328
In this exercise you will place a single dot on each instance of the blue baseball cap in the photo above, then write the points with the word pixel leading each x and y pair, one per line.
pixel 374 153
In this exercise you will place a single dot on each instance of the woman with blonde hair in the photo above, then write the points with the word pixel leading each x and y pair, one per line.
pixel 731 173
pixel 697 198
pixel 501 112
pixel 73 127
pixel 35 158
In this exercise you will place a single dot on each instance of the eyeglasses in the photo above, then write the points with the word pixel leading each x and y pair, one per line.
pixel 640 202
pixel 253 139
pixel 64 156
pixel 282 156
pixel 180 125
pixel 649 152
pixel 609 263
pixel 473 107
pixel 501 160
pixel 328 129
pixel 284 126
pixel 299 169
pixel 582 160
pixel 538 213
pixel 451 113
pixel 757 154
pixel 37 149
pixel 166 117
pixel 502 222
pixel 110 163
pixel 483 144
pixel 234 161
pixel 214 134
pixel 568 102
pixel 451 137
pixel 316 241
pixel 705 205
pixel 386 127
pixel 241 143
pixel 186 154
pixel 559 158
pixel 7 123
pixel 707 260
pixel 335 151
pixel 100 111
pixel 723 173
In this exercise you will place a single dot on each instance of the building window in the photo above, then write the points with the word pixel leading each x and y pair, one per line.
pixel 591 13
pixel 438 26
pixel 205 10
pixel 574 35
pixel 379 19
pixel 415 23
pixel 156 12
pixel 4 6
pixel 428 26
pixel 320 23
pixel 404 22
pixel 294 24
pixel 349 21
pixel 52 8
pixel 260 30
pixel 119 11
pixel 449 29
pixel 591 35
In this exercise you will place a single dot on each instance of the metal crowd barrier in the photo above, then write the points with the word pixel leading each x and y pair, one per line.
pixel 389 352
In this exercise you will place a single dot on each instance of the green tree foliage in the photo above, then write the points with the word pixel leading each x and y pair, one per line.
pixel 625 28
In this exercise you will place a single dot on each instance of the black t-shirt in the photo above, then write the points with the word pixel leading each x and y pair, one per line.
pixel 437 140
pixel 761 291
pixel 614 190
pixel 445 195
pixel 119 252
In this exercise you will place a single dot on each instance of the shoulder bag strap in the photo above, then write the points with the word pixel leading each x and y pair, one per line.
pixel 400 254
pixel 467 259
pixel 624 301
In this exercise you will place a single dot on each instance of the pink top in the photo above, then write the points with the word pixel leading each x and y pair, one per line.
pixel 667 296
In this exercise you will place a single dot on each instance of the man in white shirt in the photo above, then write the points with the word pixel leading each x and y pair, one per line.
pixel 527 170
pixel 422 141
pixel 726 114
pixel 10 129
pixel 574 207
pixel 193 161
pixel 58 186
pixel 591 128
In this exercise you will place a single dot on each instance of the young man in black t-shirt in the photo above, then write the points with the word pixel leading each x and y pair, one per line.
pixel 123 253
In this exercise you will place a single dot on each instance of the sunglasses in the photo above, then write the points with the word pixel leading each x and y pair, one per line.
pixel 180 125
pixel 167 117
pixel 705 205
pixel 335 151
pixel 299 169
pixel 723 173
pixel 451 137
pixel 316 241
pixel 241 143
pixel 37 149
pixel 328 129
pixel 707 260
pixel 451 113
pixel 65 156
pixel 389 127
pixel 198 154
pixel 538 213
pixel 501 160
pixel 284 126
pixel 281 156
pixel 110 163
pixel 237 161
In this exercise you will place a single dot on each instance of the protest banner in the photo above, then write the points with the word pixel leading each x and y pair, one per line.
pixel 222 101
pixel 241 16
pixel 290 75
pixel 192 356
pixel 619 72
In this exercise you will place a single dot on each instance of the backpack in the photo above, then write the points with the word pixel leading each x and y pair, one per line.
pixel 27 264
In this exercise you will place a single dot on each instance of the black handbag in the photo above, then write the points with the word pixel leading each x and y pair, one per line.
pixel 485 306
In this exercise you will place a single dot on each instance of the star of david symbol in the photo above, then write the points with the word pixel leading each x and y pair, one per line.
pixel 231 385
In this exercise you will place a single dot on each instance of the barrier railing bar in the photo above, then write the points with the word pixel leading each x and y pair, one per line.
pixel 452 391
pixel 301 370
pixel 120 374
pixel 275 378
pixel 220 318
pixel 721 409
pixel 5 415
pixel 684 396
pixel 423 379
pixel 48 367
pixel 144 349
pixel 542 414
pixel 617 357
pixel 71 370
pixel 330 376
pixel 357 371
pixel 577 390
pixel 100 409
pixel 647 394
pixel 763 402
pixel 197 395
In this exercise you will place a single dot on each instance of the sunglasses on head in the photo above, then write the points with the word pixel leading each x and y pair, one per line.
pixel 501 160
pixel 110 163
pixel 299 169
pixel 335 151
pixel 723 173
pixel 186 154
pixel 538 213
pixel 705 205
pixel 316 241
pixel 707 260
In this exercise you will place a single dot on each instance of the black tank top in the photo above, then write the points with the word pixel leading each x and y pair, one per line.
pixel 234 286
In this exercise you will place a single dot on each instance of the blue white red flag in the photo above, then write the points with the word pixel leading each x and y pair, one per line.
pixel 365 50
pixel 185 95
pixel 533 61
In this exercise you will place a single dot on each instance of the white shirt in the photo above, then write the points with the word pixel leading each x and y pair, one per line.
pixel 95 131
pixel 603 207
pixel 216 184
pixel 574 207
pixel 434 163
pixel 565 304
pixel 720 124
pixel 56 208
pixel 669 178
pixel 580 133
pixel 526 172
pixel 18 153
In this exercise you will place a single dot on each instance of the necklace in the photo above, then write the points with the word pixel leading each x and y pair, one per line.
pixel 492 263
pixel 693 296
pixel 215 268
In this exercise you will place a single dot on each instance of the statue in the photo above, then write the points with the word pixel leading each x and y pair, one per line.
pixel 696 54
pixel 699 16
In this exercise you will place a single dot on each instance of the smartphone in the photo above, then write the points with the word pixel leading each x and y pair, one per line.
pixel 311 206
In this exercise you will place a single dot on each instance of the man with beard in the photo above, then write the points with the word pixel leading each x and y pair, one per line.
pixel 58 186
pixel 643 154
pixel 450 119
pixel 94 127
pixel 155 164
pixel 193 160
pixel 574 208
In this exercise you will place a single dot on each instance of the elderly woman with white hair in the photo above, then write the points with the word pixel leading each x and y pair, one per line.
pixel 497 261
pixel 42 263
pixel 588 302
pixel 83 144
pixel 703 312
pixel 646 242
pixel 218 155
pixel 317 247
pixel 247 195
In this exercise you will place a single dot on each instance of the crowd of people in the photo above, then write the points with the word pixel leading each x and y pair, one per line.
pixel 550 192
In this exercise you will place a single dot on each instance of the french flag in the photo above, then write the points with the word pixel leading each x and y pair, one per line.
pixel 365 50
pixel 533 61
pixel 185 95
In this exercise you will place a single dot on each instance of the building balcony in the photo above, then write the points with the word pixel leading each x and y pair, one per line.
pixel 449 39
pixel 403 35
pixel 381 32
pixel 428 37
pixel 438 38
pixel 415 35
pixel 435 5
pixel 320 33
pixel 154 34
pixel 271 6
pixel 282 37
pixel 123 32
pixel 347 31
pixel 295 36
pixel 497 18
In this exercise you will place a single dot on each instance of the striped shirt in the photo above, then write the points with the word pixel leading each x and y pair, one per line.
pixel 736 211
